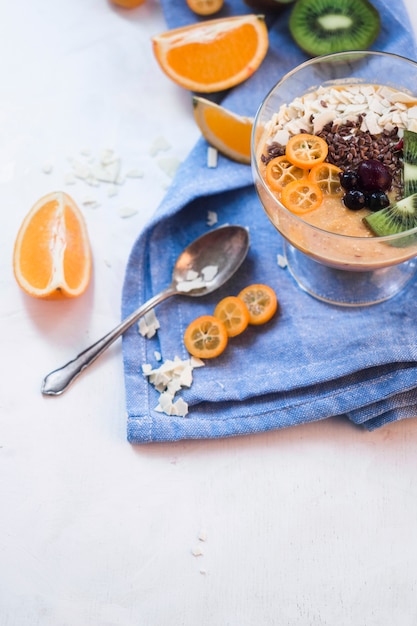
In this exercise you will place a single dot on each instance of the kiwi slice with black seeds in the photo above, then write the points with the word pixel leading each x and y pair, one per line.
pixel 395 218
pixel 409 162
pixel 326 26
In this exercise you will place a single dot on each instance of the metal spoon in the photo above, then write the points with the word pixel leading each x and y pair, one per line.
pixel 223 249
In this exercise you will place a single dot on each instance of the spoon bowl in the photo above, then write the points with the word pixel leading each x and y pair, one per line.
pixel 204 266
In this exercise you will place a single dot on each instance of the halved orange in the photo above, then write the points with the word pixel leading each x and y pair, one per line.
pixel 261 302
pixel 52 255
pixel 206 337
pixel 280 171
pixel 213 55
pixel 229 133
pixel 234 314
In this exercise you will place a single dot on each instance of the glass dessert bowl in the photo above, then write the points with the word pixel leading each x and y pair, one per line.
pixel 340 243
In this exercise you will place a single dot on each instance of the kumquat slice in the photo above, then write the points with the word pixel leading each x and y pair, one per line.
pixel 306 150
pixel 280 171
pixel 234 314
pixel 206 337
pixel 301 196
pixel 261 302
pixel 326 176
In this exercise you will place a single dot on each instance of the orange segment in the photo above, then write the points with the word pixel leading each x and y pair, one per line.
pixel 233 312
pixel 306 150
pixel 52 255
pixel 326 176
pixel 213 55
pixel 301 196
pixel 261 302
pixel 229 133
pixel 206 337
pixel 280 171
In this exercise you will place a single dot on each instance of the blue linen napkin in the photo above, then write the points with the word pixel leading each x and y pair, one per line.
pixel 313 360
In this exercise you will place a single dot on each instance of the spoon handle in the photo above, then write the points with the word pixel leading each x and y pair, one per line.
pixel 59 380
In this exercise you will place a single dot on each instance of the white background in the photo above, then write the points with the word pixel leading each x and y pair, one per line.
pixel 313 525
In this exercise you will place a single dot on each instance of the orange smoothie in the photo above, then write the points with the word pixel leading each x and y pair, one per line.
pixel 358 122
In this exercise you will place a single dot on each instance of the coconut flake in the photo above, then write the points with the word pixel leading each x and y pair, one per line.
pixel 211 218
pixel 212 157
pixel 148 324
pixel 169 378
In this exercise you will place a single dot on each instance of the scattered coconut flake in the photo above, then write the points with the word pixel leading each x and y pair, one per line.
pixel 81 170
pixel 127 211
pixel 107 171
pixel 186 286
pixel 180 408
pixel 211 218
pixel 160 144
pixel 203 571
pixel 148 324
pixel 197 551
pixel 209 272
pixel 108 156
pixel 168 379
pixel 196 362
pixel 90 202
pixel 135 174
pixel 212 157
pixel 69 178
pixel 192 274
pixel 47 168
pixel 112 191
pixel 193 280
pixel 202 535
pixel 169 165
pixel 282 261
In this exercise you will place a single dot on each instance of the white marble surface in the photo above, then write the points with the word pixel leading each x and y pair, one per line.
pixel 312 525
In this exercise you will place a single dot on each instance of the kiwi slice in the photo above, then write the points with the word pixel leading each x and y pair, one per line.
pixel 410 162
pixel 395 218
pixel 326 26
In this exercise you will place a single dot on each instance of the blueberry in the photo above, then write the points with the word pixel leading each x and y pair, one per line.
pixel 373 176
pixel 377 200
pixel 354 200
pixel 348 180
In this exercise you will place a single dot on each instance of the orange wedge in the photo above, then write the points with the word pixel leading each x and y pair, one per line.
pixel 52 254
pixel 213 55
pixel 222 129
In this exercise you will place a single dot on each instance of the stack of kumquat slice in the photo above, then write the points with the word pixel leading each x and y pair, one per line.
pixel 302 177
